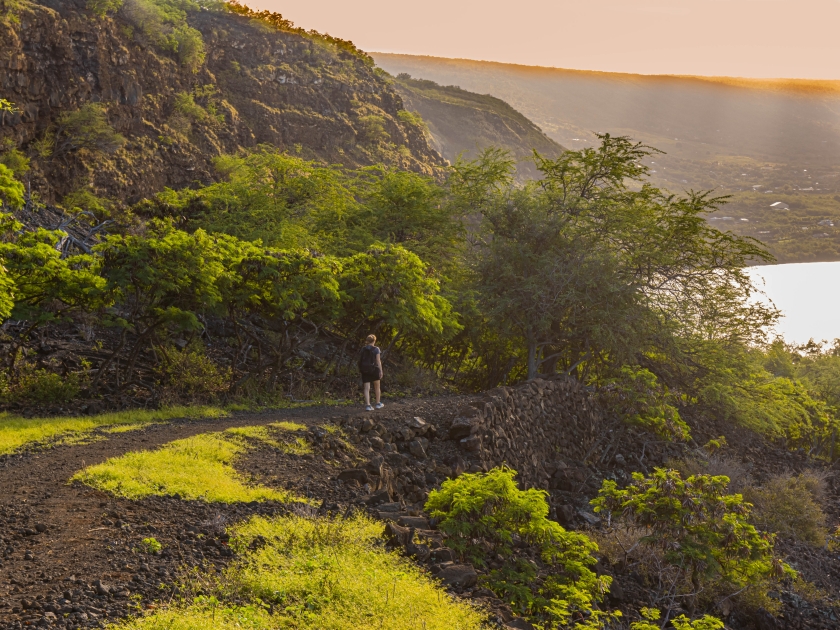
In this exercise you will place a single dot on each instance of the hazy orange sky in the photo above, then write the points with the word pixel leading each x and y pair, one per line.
pixel 753 38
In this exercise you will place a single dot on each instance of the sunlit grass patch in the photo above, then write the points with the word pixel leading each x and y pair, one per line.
pixel 318 574
pixel 16 432
pixel 297 446
pixel 288 426
pixel 195 468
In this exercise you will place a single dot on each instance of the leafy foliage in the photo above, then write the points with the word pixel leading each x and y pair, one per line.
pixel 639 397
pixel 789 505
pixel 11 190
pixel 651 615
pixel 701 531
pixel 486 514
pixel 86 128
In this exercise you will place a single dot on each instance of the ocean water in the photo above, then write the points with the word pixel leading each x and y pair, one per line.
pixel 808 294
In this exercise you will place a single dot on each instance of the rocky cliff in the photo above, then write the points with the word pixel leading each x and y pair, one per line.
pixel 256 84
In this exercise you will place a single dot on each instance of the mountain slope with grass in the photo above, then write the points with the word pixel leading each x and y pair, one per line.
pixel 121 99
pixel 464 123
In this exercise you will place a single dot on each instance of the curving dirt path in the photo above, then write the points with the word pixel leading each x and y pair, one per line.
pixel 69 554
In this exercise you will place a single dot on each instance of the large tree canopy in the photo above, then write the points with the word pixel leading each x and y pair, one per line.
pixel 591 266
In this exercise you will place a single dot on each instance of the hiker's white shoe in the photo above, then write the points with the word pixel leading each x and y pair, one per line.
pixel 368 408
pixel 379 405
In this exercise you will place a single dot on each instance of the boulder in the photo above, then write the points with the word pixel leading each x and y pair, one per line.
pixel 354 474
pixel 459 576
pixel 461 428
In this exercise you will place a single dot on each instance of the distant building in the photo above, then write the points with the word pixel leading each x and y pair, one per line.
pixel 780 205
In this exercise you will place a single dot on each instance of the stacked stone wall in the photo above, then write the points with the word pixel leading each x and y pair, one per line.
pixel 535 428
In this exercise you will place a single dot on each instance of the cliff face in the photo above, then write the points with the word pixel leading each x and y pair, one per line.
pixel 256 85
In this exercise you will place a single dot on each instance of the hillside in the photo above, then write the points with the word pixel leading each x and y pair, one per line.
pixel 462 122
pixel 234 82
pixel 735 136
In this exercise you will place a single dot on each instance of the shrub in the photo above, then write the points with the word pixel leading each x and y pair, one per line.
pixel 189 46
pixel 151 545
pixel 191 376
pixel 103 7
pixel 86 128
pixel 412 118
pixel 485 514
pixel 789 506
pixel 699 529
pixel 637 396
pixel 43 386
pixel 11 190
pixel 84 200
pixel 651 615
pixel 185 104
pixel 15 161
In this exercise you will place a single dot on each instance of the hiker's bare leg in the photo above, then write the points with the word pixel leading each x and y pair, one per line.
pixel 367 393
pixel 376 391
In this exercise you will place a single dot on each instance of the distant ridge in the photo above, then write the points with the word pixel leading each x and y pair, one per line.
pixel 827 87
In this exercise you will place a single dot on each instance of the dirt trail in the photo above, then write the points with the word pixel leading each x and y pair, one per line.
pixel 63 545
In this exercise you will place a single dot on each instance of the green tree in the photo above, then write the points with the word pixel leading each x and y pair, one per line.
pixel 295 291
pixel 390 292
pixel 409 209
pixel 281 200
pixel 593 266
pixel 86 128
pixel 162 281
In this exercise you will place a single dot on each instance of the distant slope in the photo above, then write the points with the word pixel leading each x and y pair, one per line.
pixel 736 136
pixel 464 122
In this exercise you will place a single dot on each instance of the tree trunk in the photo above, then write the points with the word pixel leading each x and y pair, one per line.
pixel 532 359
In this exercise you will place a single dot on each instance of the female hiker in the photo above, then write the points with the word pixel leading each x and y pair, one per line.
pixel 370 365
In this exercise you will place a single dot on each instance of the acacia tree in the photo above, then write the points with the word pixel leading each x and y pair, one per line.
pixel 292 295
pixel 593 266
pixel 164 280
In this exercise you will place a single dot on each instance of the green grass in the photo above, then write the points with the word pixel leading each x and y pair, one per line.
pixel 195 468
pixel 318 574
pixel 298 446
pixel 16 432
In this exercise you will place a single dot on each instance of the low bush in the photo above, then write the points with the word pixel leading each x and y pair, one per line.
pixel 190 375
pixel 651 618
pixel 485 516
pixel 42 386
pixel 790 506
pixel 699 530
pixel 197 468
pixel 317 574
pixel 637 396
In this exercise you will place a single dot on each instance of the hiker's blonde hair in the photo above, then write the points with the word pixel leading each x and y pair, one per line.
pixel 370 339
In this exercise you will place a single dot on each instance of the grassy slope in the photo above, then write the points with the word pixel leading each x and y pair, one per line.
pixel 721 133
pixel 465 122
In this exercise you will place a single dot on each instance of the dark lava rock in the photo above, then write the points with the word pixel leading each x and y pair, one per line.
pixel 459 575
pixel 354 474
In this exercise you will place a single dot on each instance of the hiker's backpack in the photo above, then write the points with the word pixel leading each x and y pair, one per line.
pixel 367 360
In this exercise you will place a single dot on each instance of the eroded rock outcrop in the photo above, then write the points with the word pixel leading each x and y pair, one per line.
pixel 289 89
